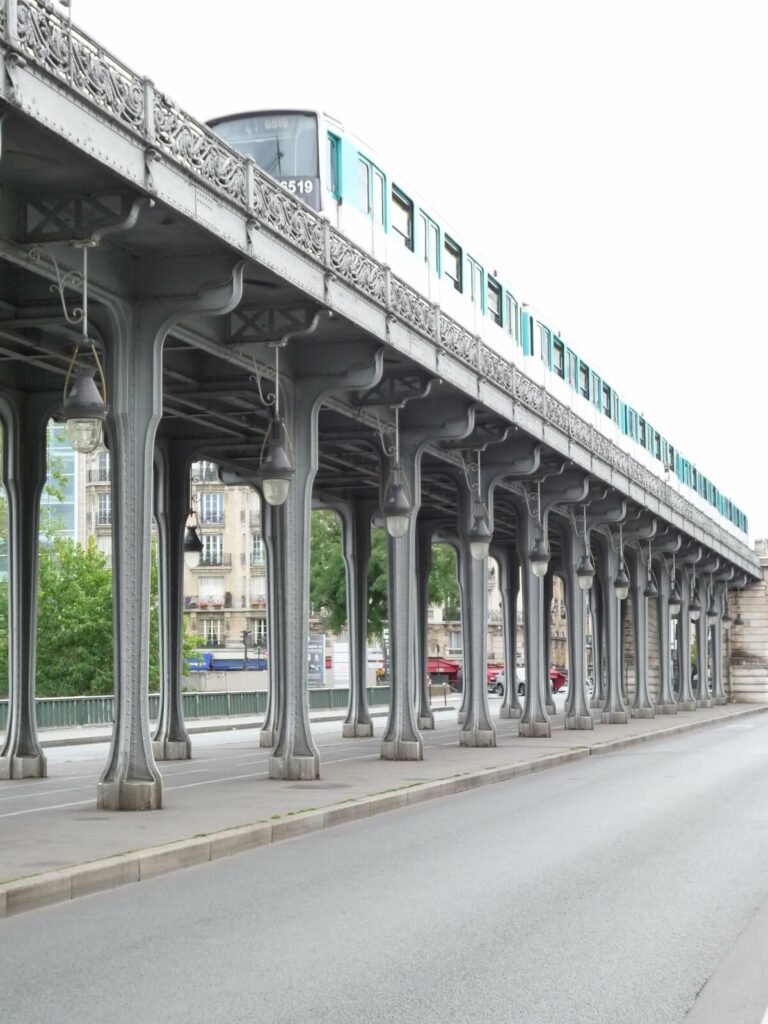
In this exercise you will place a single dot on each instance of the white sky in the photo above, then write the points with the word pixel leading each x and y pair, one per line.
pixel 608 158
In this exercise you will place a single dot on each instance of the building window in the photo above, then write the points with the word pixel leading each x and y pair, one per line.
pixel 494 301
pixel 212 507
pixel 454 639
pixel 213 632
pixel 213 544
pixel 258 631
pixel 257 549
pixel 104 509
pixel 452 263
pixel 211 588
pixel 102 466
pixel 402 217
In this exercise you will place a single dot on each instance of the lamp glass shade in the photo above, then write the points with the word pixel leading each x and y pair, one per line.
pixel 621 584
pixel 276 467
pixel 193 548
pixel 84 434
pixel 396 504
pixel 726 616
pixel 585 572
pixel 694 608
pixel 711 615
pixel 540 558
pixel 739 620
pixel 480 537
pixel 675 601
pixel 275 490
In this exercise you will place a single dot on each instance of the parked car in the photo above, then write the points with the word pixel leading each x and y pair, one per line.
pixel 499 683
pixel 557 680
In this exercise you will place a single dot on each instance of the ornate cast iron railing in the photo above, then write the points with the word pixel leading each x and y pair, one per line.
pixel 38 31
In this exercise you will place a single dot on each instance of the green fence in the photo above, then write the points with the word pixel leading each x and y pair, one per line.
pixel 62 712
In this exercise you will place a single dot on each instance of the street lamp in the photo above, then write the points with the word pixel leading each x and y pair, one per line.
pixel 621 583
pixel 585 571
pixel 675 600
pixel 396 503
pixel 480 534
pixel 712 615
pixel 540 551
pixel 276 468
pixel 193 545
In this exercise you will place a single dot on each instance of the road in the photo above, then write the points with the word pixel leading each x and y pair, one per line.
pixel 606 891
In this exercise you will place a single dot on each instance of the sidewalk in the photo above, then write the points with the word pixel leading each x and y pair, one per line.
pixel 73 849
pixel 76 735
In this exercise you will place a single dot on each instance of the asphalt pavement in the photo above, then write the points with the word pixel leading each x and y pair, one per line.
pixel 607 891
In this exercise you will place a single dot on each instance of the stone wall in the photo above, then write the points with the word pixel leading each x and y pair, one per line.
pixel 746 648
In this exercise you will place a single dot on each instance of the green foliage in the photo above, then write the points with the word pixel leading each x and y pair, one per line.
pixel 328 588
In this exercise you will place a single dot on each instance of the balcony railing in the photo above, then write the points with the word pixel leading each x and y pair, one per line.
pixel 98 476
pixel 215 558
pixel 213 641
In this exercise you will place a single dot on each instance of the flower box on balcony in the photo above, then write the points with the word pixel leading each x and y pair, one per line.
pixel 203 604
pixel 218 604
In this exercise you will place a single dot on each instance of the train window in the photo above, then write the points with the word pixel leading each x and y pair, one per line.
pixel 558 357
pixel 494 301
pixel 430 242
pixel 364 185
pixel 476 282
pixel 513 326
pixel 452 263
pixel 657 446
pixel 571 362
pixel 334 181
pixel 642 437
pixel 378 197
pixel 584 380
pixel 402 217
pixel 615 410
pixel 595 389
pixel 606 400
pixel 544 339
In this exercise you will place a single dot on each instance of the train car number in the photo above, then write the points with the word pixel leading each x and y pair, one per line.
pixel 300 186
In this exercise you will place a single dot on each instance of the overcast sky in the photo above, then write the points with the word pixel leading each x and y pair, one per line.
pixel 608 158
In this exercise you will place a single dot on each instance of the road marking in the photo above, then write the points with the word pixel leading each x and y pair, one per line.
pixel 53 807
pixel 46 793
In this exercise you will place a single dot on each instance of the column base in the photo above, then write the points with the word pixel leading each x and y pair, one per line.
pixel 129 796
pixel 34 767
pixel 172 750
pixel 551 709
pixel 402 750
pixel 461 717
pixel 266 738
pixel 579 722
pixel 614 717
pixel 706 703
pixel 720 702
pixel 477 738
pixel 595 703
pixel 295 768
pixel 642 712
pixel 510 713
pixel 351 730
pixel 666 709
pixel 426 721
pixel 535 729
pixel 687 705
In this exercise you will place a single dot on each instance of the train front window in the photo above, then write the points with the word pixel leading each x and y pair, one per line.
pixel 284 145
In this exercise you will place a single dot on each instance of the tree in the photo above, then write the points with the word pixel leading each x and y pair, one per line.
pixel 328 588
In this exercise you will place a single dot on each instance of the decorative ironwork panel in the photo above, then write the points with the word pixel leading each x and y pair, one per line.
pixel 412 307
pixel 199 150
pixel 497 369
pixel 457 341
pixel 356 266
pixel 558 414
pixel 529 393
pixel 70 54
pixel 287 216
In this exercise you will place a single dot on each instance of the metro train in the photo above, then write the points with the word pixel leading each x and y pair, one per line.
pixel 314 157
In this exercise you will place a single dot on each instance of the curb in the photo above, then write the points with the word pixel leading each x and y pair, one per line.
pixel 70 883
